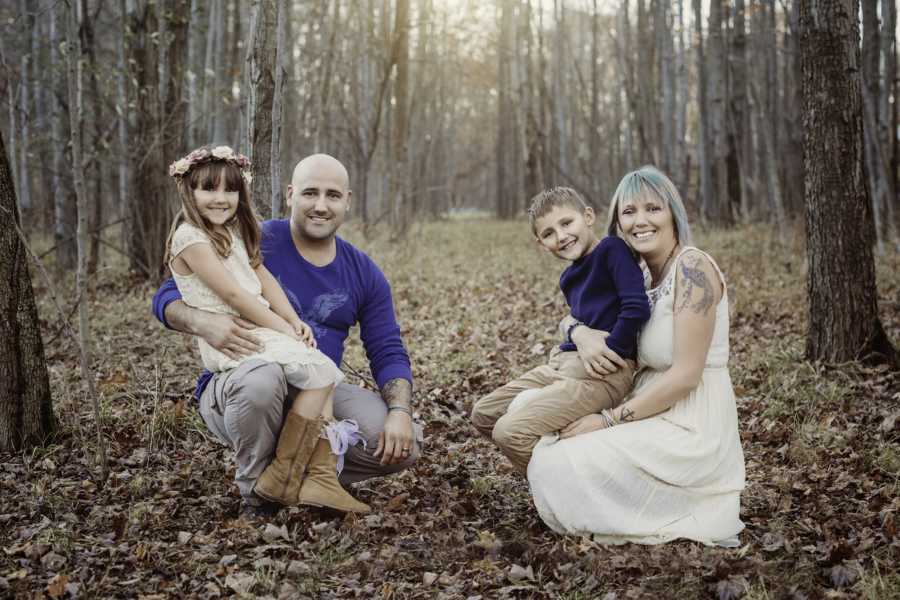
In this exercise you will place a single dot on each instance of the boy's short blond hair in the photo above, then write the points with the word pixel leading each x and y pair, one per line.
pixel 546 201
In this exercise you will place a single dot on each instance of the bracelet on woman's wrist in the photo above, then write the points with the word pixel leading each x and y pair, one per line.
pixel 401 408
pixel 609 418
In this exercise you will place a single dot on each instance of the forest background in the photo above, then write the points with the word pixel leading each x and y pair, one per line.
pixel 450 115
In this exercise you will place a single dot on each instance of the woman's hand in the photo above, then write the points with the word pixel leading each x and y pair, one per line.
pixel 598 358
pixel 305 333
pixel 585 424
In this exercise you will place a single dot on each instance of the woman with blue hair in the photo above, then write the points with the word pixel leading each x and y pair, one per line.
pixel 667 462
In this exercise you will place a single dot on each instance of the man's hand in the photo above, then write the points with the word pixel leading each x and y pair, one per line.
pixel 597 357
pixel 395 443
pixel 585 424
pixel 397 436
pixel 232 336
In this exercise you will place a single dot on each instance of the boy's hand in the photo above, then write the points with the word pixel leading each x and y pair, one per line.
pixel 564 325
pixel 585 424
pixel 597 357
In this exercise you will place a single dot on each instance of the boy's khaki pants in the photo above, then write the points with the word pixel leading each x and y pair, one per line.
pixel 555 395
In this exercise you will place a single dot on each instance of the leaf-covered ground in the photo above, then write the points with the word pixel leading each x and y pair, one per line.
pixel 478 303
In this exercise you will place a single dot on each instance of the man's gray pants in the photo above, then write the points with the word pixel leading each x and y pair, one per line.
pixel 245 408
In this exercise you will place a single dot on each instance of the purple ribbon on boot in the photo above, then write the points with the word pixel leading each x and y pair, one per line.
pixel 342 435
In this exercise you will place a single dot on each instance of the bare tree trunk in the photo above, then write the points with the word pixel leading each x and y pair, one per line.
pixel 277 107
pixel 559 86
pixel 40 87
pixel 94 168
pixel 323 131
pixel 718 112
pixel 667 81
pixel 64 202
pixel 262 97
pixel 24 179
pixel 534 176
pixel 12 93
pixel 594 142
pixel 76 127
pixel 504 110
pixel 149 216
pixel 124 101
pixel 740 146
pixel 792 141
pixel 871 92
pixel 398 194
pixel 703 146
pixel 195 78
pixel 682 173
pixel 212 108
pixel 770 166
pixel 843 309
pixel 75 78
pixel 227 59
pixel 26 410
pixel 888 111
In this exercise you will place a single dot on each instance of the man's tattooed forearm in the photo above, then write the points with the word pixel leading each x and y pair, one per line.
pixel 694 276
pixel 397 390
pixel 626 415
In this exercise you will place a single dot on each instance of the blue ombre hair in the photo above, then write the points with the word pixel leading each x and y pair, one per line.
pixel 648 180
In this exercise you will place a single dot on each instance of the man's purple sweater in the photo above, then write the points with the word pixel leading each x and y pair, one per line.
pixel 605 290
pixel 330 299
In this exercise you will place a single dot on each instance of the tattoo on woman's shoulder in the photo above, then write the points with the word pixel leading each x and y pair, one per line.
pixel 694 278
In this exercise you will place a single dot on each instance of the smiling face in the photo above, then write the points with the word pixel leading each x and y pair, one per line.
pixel 216 204
pixel 319 197
pixel 566 232
pixel 647 224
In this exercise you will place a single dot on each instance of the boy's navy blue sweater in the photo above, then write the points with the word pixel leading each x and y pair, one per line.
pixel 605 290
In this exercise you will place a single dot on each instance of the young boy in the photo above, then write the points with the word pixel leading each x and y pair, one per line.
pixel 604 288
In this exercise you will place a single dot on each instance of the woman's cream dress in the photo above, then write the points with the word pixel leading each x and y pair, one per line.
pixel 678 474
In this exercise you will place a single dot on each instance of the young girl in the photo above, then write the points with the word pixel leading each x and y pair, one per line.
pixel 214 256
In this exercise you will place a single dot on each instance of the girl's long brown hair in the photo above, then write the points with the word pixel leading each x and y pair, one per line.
pixel 207 176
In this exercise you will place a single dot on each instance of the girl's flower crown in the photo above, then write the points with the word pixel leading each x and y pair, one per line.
pixel 204 155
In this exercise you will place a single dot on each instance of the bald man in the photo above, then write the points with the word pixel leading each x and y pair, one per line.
pixel 332 286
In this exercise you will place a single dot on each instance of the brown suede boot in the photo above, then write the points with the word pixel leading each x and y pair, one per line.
pixel 321 487
pixel 281 480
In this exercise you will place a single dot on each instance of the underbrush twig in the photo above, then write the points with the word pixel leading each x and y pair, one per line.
pixel 365 378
